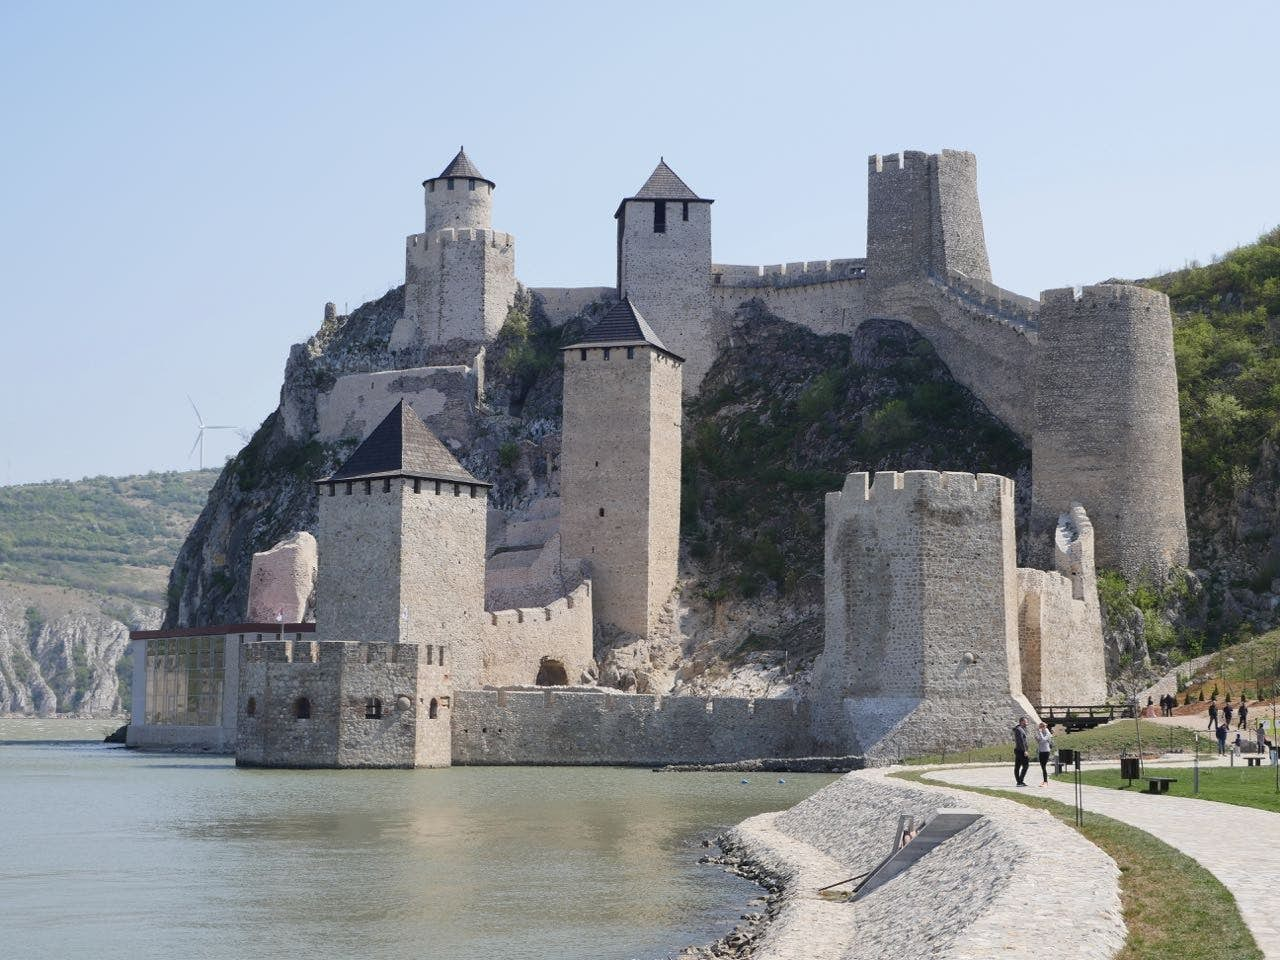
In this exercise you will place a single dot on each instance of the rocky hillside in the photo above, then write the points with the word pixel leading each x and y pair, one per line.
pixel 82 563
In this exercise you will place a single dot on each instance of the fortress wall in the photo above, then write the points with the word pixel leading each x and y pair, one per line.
pixel 1061 639
pixel 444 397
pixel 588 728
pixel 276 674
pixel 560 304
pixel 1107 432
pixel 836 306
pixel 515 642
pixel 991 356
pixel 921 641
pixel 802 273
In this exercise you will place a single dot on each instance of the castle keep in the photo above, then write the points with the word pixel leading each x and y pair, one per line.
pixel 447 632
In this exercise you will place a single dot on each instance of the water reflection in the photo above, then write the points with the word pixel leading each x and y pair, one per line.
pixel 150 856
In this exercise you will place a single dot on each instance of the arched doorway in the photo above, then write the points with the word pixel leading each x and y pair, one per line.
pixel 551 673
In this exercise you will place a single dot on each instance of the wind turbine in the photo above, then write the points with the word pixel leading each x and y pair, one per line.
pixel 200 433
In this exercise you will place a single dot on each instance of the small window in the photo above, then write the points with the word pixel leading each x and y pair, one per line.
pixel 373 709
pixel 471 185
pixel 251 707
pixel 302 709
pixel 631 353
pixel 429 649
pixel 417 485
pixel 684 212
pixel 333 487
pixel 451 183
pixel 606 353
pixel 457 489
pixel 584 354
pixel 440 651
pixel 437 488
pixel 348 487
pixel 431 186
pixel 473 491
pixel 602 511
pixel 659 216
pixel 386 484
pixel 368 486
pixel 433 711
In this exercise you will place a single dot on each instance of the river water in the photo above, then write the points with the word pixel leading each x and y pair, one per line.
pixel 107 852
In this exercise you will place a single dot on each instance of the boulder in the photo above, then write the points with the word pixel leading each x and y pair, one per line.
pixel 282 581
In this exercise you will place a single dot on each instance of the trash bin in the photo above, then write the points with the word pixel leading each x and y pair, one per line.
pixel 1130 768
pixel 1067 757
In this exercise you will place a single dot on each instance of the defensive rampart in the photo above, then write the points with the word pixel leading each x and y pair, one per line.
pixel 518 644
pixel 582 727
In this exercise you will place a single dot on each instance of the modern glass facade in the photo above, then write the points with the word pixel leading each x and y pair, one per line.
pixel 184 680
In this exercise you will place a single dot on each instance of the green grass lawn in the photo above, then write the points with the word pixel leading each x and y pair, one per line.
pixel 1239 785
pixel 1173 907
pixel 1109 740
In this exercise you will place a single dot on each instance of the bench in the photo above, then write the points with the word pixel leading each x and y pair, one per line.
pixel 1254 761
pixel 1159 784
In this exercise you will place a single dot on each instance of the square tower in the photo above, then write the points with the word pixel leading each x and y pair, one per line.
pixel 620 467
pixel 401 544
pixel 664 265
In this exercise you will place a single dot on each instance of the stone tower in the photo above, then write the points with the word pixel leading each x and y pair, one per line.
pixel 923 217
pixel 921 647
pixel 664 266
pixel 620 467
pixel 460 274
pixel 402 544
pixel 1106 431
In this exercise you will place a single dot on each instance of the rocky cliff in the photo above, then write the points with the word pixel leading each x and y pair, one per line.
pixel 64 650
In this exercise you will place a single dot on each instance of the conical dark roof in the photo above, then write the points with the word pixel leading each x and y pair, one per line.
pixel 622 326
pixel 402 446
pixel 461 166
pixel 663 184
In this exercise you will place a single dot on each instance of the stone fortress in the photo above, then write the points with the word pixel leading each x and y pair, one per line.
pixel 934 638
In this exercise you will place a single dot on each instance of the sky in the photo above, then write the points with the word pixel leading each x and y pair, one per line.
pixel 184 185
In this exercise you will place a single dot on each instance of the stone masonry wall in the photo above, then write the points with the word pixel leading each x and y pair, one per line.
pixel 835 306
pixel 595 727
pixel 1107 431
pixel 444 397
pixel 564 303
pixel 468 206
pixel 921 642
pixel 667 276
pixel 515 642
pixel 959 242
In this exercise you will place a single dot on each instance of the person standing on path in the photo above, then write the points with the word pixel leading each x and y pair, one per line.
pixel 1226 713
pixel 1020 760
pixel 1244 713
pixel 1044 746
pixel 1213 713
pixel 1222 738
pixel 1262 737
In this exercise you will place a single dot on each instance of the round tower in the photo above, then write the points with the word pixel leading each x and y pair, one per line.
pixel 1107 430
pixel 460 197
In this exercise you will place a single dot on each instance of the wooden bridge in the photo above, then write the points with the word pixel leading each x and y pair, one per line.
pixel 1084 717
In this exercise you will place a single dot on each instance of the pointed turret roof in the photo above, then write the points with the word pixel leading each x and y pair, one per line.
pixel 664 184
pixel 461 166
pixel 402 446
pixel 622 326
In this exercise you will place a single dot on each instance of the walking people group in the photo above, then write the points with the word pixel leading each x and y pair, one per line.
pixel 1167 702
pixel 1022 743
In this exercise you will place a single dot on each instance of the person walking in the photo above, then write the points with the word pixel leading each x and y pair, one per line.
pixel 1261 734
pixel 1244 713
pixel 1226 711
pixel 1222 739
pixel 1213 713
pixel 1044 746
pixel 1020 759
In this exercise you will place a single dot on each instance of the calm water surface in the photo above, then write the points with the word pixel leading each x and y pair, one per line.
pixel 107 852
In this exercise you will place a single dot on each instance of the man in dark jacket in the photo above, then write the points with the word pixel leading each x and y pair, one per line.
pixel 1021 761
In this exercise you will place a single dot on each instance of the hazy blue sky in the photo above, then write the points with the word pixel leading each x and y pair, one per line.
pixel 184 185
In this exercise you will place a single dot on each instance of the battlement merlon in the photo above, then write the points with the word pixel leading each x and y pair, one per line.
pixel 916 484
pixel 1110 295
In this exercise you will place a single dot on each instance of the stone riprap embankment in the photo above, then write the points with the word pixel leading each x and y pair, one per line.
pixel 998 889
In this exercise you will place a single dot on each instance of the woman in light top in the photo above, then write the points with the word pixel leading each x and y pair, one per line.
pixel 1044 746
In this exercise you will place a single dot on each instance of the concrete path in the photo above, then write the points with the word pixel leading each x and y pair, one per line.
pixel 1238 845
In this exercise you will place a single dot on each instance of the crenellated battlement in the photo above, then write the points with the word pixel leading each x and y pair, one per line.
pixel 331 652
pixel 1111 296
pixel 801 273
pixel 460 235
pixel 890 162
pixel 573 602
pixel 912 485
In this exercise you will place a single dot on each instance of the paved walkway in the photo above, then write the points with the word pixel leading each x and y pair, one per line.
pixel 1238 845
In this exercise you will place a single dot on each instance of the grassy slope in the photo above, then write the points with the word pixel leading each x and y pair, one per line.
pixel 1173 907
pixel 1242 786
pixel 1108 740
pixel 115 535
